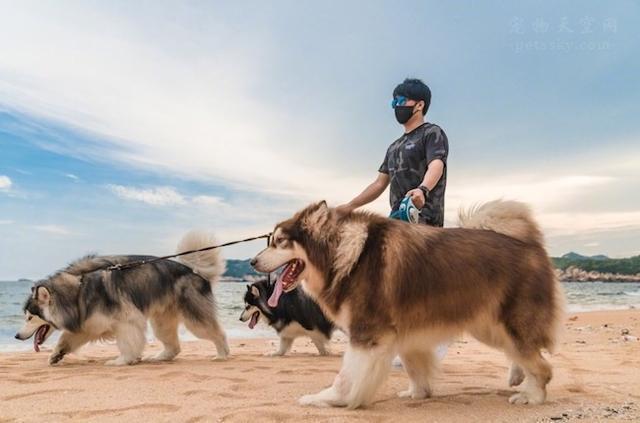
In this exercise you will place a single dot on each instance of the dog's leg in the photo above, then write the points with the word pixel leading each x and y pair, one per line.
pixel 131 340
pixel 516 375
pixel 165 328
pixel 320 341
pixel 68 342
pixel 537 371
pixel 420 365
pixel 285 346
pixel 211 331
pixel 363 370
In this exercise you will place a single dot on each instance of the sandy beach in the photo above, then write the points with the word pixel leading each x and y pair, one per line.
pixel 596 377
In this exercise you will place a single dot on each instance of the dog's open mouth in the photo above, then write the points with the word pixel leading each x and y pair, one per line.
pixel 254 320
pixel 287 280
pixel 40 336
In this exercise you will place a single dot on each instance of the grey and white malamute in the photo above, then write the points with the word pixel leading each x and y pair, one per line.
pixel 398 288
pixel 87 302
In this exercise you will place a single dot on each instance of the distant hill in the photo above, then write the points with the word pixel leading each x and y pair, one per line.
pixel 239 269
pixel 576 256
pixel 599 263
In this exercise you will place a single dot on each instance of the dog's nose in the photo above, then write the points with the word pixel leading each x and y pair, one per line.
pixel 17 336
pixel 253 261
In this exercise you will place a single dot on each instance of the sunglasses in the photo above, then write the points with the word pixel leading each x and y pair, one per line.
pixel 398 101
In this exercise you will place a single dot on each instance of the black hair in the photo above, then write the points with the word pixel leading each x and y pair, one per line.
pixel 414 89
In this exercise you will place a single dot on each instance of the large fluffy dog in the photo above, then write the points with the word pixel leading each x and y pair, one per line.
pixel 402 289
pixel 294 315
pixel 87 303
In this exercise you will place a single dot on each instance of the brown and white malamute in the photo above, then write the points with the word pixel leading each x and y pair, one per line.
pixel 398 288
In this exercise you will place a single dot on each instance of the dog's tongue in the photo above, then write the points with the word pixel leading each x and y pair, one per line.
pixel 38 338
pixel 277 292
pixel 253 321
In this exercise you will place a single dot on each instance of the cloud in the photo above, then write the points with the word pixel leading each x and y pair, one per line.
pixel 52 229
pixel 71 176
pixel 5 183
pixel 592 244
pixel 207 200
pixel 5 222
pixel 164 196
pixel 159 196
pixel 158 99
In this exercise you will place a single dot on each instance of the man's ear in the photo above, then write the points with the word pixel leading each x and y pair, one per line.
pixel 255 291
pixel 42 295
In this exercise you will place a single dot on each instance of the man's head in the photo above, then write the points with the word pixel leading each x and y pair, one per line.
pixel 411 100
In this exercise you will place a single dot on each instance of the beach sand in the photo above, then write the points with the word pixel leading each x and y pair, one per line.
pixel 596 377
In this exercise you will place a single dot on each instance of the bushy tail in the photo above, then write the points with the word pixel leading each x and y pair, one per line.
pixel 510 218
pixel 208 264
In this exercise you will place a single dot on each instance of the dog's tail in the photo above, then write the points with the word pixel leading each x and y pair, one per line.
pixel 208 264
pixel 510 218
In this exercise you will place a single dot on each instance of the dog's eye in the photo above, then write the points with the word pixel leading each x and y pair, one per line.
pixel 30 317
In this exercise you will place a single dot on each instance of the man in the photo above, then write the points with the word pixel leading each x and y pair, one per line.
pixel 416 163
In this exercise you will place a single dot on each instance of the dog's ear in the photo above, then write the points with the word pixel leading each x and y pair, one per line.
pixel 255 291
pixel 42 295
pixel 317 217
pixel 248 287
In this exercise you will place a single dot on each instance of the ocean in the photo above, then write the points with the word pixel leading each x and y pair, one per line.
pixel 585 296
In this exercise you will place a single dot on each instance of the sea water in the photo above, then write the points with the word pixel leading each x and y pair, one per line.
pixel 584 296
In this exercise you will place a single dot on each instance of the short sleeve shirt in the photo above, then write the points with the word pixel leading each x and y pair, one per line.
pixel 406 163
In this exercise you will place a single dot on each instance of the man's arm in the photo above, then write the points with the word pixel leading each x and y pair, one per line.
pixel 370 193
pixel 431 178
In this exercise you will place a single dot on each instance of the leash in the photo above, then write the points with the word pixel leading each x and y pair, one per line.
pixel 132 264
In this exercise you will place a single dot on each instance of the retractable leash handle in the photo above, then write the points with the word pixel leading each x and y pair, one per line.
pixel 407 211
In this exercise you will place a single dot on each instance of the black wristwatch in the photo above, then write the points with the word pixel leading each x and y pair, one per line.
pixel 425 191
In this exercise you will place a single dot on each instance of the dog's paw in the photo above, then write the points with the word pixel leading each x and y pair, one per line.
pixel 162 356
pixel 526 398
pixel 274 354
pixel 55 358
pixel 516 376
pixel 415 393
pixel 312 400
pixel 121 361
pixel 221 357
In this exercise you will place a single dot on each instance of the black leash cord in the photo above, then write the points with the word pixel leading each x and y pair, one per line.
pixel 269 243
pixel 153 260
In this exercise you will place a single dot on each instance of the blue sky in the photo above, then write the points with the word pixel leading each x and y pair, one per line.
pixel 124 125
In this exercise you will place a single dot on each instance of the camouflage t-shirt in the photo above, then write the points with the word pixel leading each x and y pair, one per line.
pixel 406 163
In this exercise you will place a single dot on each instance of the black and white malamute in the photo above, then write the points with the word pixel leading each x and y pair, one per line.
pixel 294 315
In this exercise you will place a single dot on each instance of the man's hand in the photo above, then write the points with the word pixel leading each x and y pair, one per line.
pixel 343 210
pixel 417 196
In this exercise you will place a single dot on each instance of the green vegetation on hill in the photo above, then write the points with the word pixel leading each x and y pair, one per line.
pixel 599 263
pixel 239 269
pixel 602 264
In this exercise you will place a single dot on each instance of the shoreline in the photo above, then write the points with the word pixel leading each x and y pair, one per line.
pixel 595 377
pixel 266 333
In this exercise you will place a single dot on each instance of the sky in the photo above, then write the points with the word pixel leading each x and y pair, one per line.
pixel 125 124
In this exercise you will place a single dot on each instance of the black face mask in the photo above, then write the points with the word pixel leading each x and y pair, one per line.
pixel 404 113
